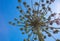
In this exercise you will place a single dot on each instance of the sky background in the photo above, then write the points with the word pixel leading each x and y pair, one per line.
pixel 7 12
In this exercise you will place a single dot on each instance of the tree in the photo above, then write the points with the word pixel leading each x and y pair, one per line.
pixel 35 21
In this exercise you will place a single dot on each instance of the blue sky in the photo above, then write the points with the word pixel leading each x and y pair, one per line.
pixel 7 12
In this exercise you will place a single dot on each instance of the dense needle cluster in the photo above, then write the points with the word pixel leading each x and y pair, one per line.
pixel 35 21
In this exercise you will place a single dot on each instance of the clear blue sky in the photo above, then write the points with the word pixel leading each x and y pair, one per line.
pixel 7 12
